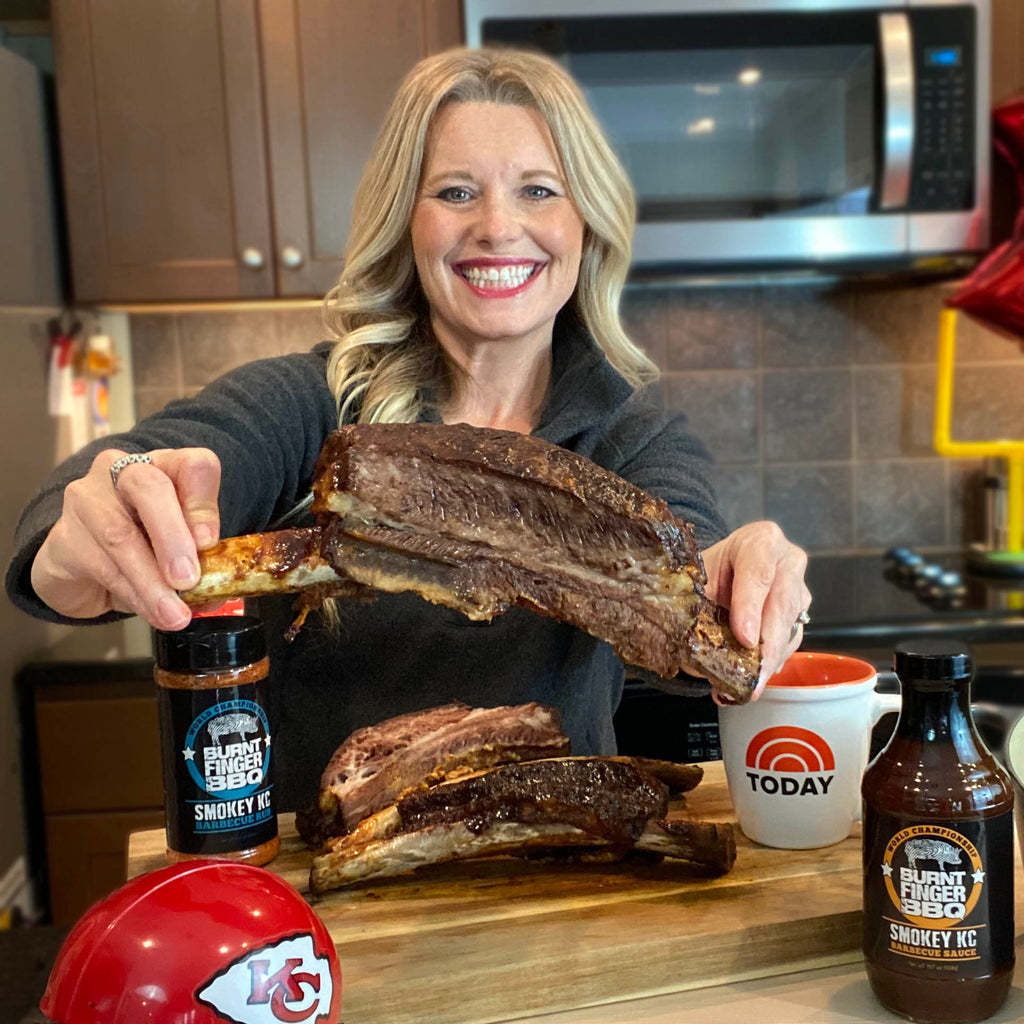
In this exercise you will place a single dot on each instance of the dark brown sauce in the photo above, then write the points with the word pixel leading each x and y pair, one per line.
pixel 937 792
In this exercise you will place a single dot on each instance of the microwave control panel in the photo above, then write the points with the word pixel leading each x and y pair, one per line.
pixel 944 165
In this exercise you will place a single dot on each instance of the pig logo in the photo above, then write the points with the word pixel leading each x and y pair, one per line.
pixel 286 982
pixel 225 725
pixel 931 849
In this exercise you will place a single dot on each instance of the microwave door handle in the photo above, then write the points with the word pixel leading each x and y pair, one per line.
pixel 898 133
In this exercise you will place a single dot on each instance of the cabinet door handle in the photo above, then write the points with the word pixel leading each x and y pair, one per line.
pixel 291 258
pixel 252 257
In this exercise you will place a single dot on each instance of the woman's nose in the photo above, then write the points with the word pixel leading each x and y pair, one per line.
pixel 499 220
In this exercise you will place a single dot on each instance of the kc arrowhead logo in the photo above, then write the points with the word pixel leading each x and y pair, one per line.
pixel 283 982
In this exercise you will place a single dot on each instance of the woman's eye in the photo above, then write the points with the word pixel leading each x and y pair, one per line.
pixel 454 194
pixel 539 191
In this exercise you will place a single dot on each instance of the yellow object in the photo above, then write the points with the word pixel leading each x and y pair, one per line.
pixel 1012 451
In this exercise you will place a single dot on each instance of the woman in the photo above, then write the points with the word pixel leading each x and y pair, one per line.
pixel 489 245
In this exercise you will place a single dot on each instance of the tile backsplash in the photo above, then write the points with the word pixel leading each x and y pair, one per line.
pixel 816 401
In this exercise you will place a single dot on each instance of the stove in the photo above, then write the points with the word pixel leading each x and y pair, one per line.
pixel 904 594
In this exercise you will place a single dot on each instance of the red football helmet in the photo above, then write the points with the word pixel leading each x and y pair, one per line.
pixel 201 942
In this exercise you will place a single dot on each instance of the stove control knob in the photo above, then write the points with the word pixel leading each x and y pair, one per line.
pixel 908 569
pixel 926 575
pixel 949 590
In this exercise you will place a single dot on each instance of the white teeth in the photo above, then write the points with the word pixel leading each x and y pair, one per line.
pixel 507 276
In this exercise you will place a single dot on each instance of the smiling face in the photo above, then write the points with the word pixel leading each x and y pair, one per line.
pixel 496 238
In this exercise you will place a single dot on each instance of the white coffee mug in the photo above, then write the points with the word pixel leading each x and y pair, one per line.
pixel 795 757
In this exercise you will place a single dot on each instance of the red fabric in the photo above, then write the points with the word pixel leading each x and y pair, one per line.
pixel 994 292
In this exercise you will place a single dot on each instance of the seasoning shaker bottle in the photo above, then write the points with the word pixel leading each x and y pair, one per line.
pixel 215 740
pixel 938 850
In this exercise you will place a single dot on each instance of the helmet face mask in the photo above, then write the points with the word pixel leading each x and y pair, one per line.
pixel 201 942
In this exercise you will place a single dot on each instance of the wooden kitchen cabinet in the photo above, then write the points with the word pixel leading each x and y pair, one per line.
pixel 211 148
pixel 92 775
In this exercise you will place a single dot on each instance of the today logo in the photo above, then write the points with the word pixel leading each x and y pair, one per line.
pixel 788 760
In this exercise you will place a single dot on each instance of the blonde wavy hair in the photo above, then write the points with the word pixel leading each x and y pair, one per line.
pixel 385 355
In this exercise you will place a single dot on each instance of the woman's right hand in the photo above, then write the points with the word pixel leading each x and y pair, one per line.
pixel 130 548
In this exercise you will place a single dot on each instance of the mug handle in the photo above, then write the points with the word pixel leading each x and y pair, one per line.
pixel 881 704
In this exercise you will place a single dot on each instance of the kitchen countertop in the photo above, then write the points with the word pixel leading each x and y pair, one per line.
pixel 835 994
pixel 830 995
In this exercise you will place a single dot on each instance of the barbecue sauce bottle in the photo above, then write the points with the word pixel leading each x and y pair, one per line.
pixel 215 738
pixel 938 851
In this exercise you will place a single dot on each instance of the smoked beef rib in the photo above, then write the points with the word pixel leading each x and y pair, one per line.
pixel 479 520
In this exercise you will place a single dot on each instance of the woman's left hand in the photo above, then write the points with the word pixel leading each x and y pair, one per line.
pixel 759 576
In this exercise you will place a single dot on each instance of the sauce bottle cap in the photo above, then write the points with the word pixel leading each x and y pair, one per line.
pixel 212 643
pixel 932 659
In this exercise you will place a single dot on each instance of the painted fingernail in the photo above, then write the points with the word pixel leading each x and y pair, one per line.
pixel 174 614
pixel 184 571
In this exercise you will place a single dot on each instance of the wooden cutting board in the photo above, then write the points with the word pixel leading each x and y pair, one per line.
pixel 498 940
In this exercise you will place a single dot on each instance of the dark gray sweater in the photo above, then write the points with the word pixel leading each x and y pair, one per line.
pixel 267 422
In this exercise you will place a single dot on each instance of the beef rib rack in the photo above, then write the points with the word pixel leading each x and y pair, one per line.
pixel 587 807
pixel 479 520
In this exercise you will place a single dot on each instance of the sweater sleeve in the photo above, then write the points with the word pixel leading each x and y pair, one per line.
pixel 266 421
pixel 656 452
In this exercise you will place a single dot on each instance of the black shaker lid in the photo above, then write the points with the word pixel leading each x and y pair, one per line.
pixel 211 643
pixel 932 659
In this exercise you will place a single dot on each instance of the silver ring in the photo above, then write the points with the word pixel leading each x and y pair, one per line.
pixel 801 620
pixel 127 460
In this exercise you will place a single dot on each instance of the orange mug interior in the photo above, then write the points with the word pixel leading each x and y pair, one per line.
pixel 811 668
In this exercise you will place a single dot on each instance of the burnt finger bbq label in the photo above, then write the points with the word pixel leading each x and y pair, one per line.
pixel 929 892
pixel 218 758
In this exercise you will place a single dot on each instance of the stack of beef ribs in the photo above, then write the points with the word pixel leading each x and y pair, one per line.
pixel 455 782
pixel 479 520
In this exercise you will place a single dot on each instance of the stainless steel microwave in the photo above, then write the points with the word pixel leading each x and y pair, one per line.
pixel 781 133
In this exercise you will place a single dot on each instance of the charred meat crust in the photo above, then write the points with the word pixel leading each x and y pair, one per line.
pixel 354 456
pixel 609 800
